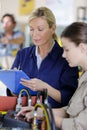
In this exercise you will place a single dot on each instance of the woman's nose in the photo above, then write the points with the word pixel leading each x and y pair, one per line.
pixel 63 55
pixel 35 33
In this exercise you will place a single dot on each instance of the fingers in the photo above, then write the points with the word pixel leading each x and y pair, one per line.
pixel 26 113
pixel 15 68
pixel 29 116
pixel 34 84
pixel 24 110
pixel 28 83
pixel 40 114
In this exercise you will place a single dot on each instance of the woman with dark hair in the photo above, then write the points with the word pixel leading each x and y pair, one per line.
pixel 74 116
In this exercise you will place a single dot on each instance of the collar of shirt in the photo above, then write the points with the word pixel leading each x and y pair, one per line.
pixel 54 54
pixel 82 78
pixel 39 59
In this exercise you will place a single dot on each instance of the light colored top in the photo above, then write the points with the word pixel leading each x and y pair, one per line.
pixel 77 107
pixel 39 59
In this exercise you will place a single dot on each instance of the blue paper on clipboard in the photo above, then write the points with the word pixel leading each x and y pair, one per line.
pixel 11 78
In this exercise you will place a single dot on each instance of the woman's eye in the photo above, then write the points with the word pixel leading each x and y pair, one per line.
pixel 31 29
pixel 40 29
pixel 66 50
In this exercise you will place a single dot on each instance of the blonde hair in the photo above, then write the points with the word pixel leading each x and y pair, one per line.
pixel 47 14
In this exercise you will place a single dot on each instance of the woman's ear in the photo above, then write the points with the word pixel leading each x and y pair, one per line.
pixel 83 47
pixel 53 28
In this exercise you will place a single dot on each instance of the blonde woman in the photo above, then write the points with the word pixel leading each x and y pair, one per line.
pixel 43 61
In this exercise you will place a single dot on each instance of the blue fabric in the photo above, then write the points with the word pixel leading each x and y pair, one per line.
pixel 54 70
pixel 7 49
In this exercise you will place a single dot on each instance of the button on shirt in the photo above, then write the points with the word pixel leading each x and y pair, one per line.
pixel 53 70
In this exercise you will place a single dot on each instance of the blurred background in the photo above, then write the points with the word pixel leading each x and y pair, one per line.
pixel 65 11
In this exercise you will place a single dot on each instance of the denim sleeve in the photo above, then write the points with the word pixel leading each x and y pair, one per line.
pixel 16 62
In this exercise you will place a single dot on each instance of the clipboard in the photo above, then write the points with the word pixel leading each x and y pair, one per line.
pixel 11 79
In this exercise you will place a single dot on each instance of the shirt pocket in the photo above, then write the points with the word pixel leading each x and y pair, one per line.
pixel 75 107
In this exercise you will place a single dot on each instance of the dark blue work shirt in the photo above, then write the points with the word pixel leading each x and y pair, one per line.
pixel 53 70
